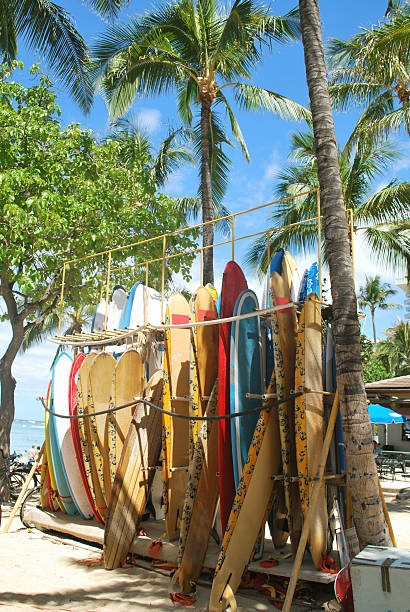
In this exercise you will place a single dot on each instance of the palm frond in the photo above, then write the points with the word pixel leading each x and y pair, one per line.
pixel 108 8
pixel 388 205
pixel 173 151
pixel 250 97
pixel 390 245
pixel 8 33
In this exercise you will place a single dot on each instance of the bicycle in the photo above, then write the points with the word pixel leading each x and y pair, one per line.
pixel 10 479
pixel 33 497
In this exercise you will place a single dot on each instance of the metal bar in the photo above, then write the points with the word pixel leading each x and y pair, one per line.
pixel 146 295
pixel 268 247
pixel 180 398
pixel 233 238
pixel 164 245
pixel 107 289
pixel 202 266
pixel 264 396
pixel 319 243
pixel 60 316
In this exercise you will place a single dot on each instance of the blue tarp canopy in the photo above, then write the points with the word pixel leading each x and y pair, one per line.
pixel 380 414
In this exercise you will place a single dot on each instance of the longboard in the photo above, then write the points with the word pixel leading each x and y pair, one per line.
pixel 245 377
pixel 75 432
pixel 134 476
pixel 127 383
pixel 200 500
pixel 233 283
pixel 84 430
pixel 175 432
pixel 204 358
pixel 99 392
pixel 310 421
pixel 250 508
pixel 284 350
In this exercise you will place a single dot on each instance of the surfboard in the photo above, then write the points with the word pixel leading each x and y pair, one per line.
pixel 233 283
pixel 250 508
pixel 291 275
pixel 303 288
pixel 75 432
pixel 175 433
pixel 212 291
pixel 284 350
pixel 204 358
pixel 128 383
pixel 98 322
pixel 200 500
pixel 53 496
pixel 118 300
pixel 145 299
pixel 64 435
pixel 310 421
pixel 84 428
pixel 134 476
pixel 245 377
pixel 312 284
pixel 126 311
pixel 59 390
pixel 99 392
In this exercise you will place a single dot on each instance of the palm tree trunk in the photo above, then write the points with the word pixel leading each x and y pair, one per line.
pixel 361 466
pixel 206 188
pixel 374 325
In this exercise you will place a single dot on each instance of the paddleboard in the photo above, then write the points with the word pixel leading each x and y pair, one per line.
pixel 250 508
pixel 175 433
pixel 75 432
pixel 245 377
pixel 233 283
pixel 310 422
pixel 134 476
pixel 200 500
pixel 284 351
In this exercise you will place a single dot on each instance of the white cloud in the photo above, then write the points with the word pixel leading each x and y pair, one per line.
pixel 149 119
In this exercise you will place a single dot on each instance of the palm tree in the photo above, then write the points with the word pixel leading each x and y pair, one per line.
pixel 48 28
pixel 395 350
pixel 373 295
pixel 361 472
pixel 198 48
pixel 371 70
pixel 382 216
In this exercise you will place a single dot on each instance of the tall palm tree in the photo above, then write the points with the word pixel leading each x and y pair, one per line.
pixel 361 467
pixel 382 216
pixel 395 349
pixel 48 28
pixel 373 295
pixel 201 49
pixel 371 70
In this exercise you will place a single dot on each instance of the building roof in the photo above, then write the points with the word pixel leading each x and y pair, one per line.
pixel 392 393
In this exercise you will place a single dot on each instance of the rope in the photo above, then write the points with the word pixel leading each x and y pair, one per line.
pixel 218 417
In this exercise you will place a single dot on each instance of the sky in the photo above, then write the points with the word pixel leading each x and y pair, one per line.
pixel 251 184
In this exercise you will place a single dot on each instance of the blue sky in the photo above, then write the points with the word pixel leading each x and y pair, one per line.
pixel 251 184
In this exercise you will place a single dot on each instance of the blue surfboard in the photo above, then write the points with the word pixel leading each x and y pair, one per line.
pixel 312 285
pixel 126 313
pixel 245 377
pixel 58 465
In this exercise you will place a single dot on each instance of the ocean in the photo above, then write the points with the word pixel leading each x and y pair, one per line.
pixel 26 433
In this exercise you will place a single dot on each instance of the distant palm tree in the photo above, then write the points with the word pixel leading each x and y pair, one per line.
pixel 371 70
pixel 197 48
pixel 395 350
pixel 374 295
pixel 49 29
pixel 383 215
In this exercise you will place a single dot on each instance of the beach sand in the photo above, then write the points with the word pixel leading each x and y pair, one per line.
pixel 41 571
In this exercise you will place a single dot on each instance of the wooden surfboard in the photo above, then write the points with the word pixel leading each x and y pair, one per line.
pixel 200 501
pixel 134 476
pixel 250 508
pixel 99 392
pixel 233 283
pixel 84 430
pixel 128 383
pixel 310 421
pixel 291 275
pixel 175 433
pixel 204 358
pixel 284 351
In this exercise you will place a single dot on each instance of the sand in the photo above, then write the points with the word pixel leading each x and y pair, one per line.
pixel 40 571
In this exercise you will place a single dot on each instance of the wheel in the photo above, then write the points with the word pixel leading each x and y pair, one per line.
pixel 16 482
pixel 33 498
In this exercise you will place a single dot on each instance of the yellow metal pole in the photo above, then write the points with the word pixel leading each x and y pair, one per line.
pixel 233 238
pixel 268 245
pixel 319 243
pixel 146 295
pixel 164 246
pixel 107 289
pixel 102 286
pixel 60 316
pixel 202 265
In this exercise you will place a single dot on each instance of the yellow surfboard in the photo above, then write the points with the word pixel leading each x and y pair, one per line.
pixel 54 491
pixel 175 432
pixel 310 421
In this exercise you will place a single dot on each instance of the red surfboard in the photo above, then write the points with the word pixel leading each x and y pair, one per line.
pixel 76 432
pixel 233 283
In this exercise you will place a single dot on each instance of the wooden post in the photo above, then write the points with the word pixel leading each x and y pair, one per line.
pixel 319 243
pixel 23 490
pixel 312 505
pixel 386 514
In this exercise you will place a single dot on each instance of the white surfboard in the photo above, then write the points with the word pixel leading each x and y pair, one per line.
pixel 118 300
pixel 64 436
